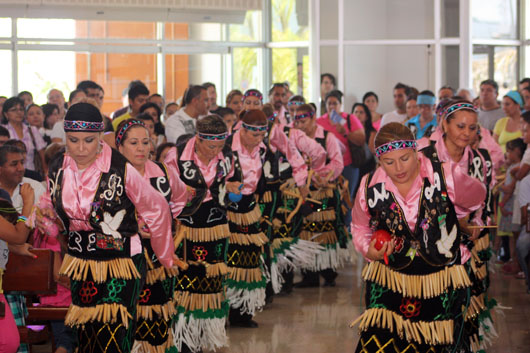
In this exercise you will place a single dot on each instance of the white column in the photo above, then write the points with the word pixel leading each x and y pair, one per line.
pixel 437 46
pixel 466 44
pixel 340 53
pixel 314 51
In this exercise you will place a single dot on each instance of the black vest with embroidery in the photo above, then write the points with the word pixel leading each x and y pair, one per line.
pixel 192 176
pixel 323 143
pixel 436 237
pixel 488 210
pixel 112 213
pixel 161 183
pixel 276 167
pixel 428 132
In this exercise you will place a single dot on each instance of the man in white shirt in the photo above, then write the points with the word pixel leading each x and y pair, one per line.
pixel 522 247
pixel 195 102
pixel 12 175
pixel 490 110
pixel 399 115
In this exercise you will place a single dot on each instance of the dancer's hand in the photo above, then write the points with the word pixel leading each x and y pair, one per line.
pixel 233 186
pixel 376 255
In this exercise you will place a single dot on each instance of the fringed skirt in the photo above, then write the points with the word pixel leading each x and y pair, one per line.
pixel 156 308
pixel 325 226
pixel 200 299
pixel 246 283
pixel 418 309
pixel 105 284
pixel 479 327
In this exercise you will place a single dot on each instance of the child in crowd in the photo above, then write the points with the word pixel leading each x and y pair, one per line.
pixel 514 152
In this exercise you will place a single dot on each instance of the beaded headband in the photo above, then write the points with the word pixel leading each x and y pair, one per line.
pixel 127 126
pixel 456 107
pixel 213 137
pixel 290 104
pixel 272 117
pixel 394 146
pixel 253 94
pixel 259 128
pixel 79 125
pixel 304 115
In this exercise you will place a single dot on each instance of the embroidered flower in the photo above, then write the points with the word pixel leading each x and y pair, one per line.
pixel 87 292
pixel 410 307
pixel 199 252
pixel 145 295
pixel 398 243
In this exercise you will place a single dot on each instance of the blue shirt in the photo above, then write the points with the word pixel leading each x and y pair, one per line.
pixel 414 125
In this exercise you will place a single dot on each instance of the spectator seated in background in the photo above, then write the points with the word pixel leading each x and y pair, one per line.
pixel 401 92
pixel 4 135
pixel 137 97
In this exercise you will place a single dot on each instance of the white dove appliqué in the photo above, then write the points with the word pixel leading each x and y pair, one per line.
pixel 110 224
pixel 446 242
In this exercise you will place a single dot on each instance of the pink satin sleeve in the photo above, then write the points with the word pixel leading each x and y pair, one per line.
pixel 488 143
pixel 152 207
pixel 467 193
pixel 360 226
pixel 336 162
pixel 179 192
pixel 280 141
pixel 310 148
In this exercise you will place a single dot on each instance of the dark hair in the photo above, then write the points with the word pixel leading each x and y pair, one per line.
pixel 491 83
pixel 233 93
pixel 126 121
pixel 411 97
pixel 48 109
pixel 517 143
pixel 307 108
pixel 314 106
pixel 330 76
pixel 403 86
pixel 275 85
pixel 7 148
pixel 8 104
pixel 452 102
pixel 525 80
pixel 370 94
pixel 211 124
pixel 526 116
pixel 151 105
pixel 193 91
pixel 252 90
pixel 526 89
pixel 392 132
pixel 447 87
pixel 22 93
pixel 4 131
pixel 74 93
pixel 427 93
pixel 161 149
pixel 208 85
pixel 335 93
pixel 156 95
pixel 138 90
pixel 131 85
pixel 19 144
pixel 254 117
pixel 144 117
pixel 222 111
pixel 368 127
pixel 87 84
pixel 268 110
pixel 297 98
pixel 52 150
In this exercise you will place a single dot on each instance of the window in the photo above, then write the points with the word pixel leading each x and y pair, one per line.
pixel 497 62
pixel 246 68
pixel 5 64
pixel 290 20
pixel 249 31
pixel 494 19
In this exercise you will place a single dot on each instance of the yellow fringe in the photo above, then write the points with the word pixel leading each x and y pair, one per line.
pixel 327 215
pixel 212 270
pixel 267 197
pixel 103 313
pixel 482 243
pixel 418 286
pixel 478 267
pixel 321 194
pixel 78 269
pixel 248 275
pixel 207 234
pixel 195 301
pixel 476 306
pixel 150 312
pixel 276 243
pixel 475 343
pixel 172 272
pixel 258 239
pixel 144 346
pixel 157 274
pixel 433 333
pixel 321 238
pixel 245 219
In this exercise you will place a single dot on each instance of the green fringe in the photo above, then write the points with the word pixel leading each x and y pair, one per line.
pixel 172 349
pixel 245 285
pixel 285 246
pixel 208 314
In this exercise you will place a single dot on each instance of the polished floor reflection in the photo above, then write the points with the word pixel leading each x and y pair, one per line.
pixel 317 319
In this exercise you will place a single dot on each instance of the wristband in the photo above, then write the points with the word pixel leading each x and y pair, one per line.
pixel 21 219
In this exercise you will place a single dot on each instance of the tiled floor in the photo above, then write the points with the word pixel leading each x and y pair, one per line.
pixel 317 319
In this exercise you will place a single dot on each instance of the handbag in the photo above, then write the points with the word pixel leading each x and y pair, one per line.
pixel 37 161
pixel 358 154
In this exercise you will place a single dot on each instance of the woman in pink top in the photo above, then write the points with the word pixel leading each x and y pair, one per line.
pixel 156 308
pixel 203 163
pixel 415 282
pixel 98 195
pixel 346 128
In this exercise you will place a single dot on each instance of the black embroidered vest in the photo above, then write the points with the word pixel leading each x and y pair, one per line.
pixel 112 213
pixel 489 209
pixel 161 183
pixel 192 176
pixel 323 143
pixel 436 236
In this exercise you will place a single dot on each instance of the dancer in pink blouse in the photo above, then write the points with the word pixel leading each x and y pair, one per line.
pixel 203 163
pixel 414 297
pixel 97 195
pixel 254 160
pixel 156 308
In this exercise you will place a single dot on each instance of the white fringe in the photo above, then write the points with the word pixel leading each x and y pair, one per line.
pixel 199 334
pixel 487 333
pixel 276 278
pixel 300 254
pixel 248 301
pixel 348 255
pixel 330 257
